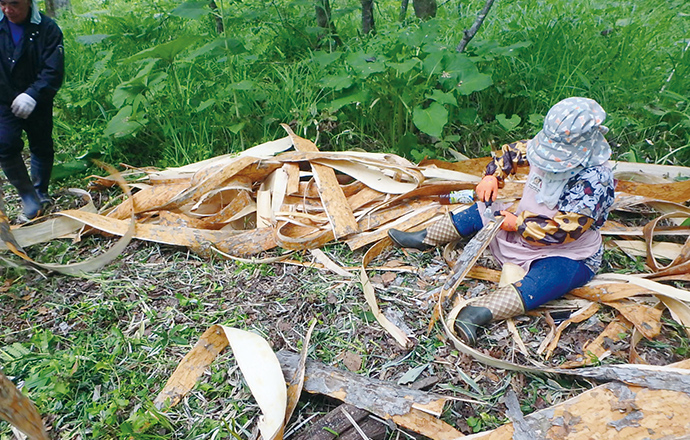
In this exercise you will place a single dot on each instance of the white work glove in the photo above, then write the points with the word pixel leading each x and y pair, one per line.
pixel 23 105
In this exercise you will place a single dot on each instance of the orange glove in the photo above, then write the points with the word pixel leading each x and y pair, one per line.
pixel 487 189
pixel 510 222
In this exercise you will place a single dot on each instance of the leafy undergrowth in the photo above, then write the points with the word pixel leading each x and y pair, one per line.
pixel 93 353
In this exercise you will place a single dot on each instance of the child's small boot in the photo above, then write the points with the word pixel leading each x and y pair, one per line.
pixel 503 303
pixel 441 232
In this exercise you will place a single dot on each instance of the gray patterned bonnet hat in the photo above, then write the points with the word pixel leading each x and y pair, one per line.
pixel 572 136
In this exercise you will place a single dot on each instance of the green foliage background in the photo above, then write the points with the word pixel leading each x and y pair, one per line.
pixel 154 83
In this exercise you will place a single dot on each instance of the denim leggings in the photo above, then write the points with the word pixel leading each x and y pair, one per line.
pixel 548 278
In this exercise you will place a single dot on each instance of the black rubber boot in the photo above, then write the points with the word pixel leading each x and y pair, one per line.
pixel 469 320
pixel 409 239
pixel 16 173
pixel 40 175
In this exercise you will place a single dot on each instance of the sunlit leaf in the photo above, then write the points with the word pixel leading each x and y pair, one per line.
pixel 461 73
pixel 336 82
pixel 245 85
pixel 222 46
pixel 366 64
pixel 357 97
pixel 467 116
pixel 165 51
pixel 206 104
pixel 488 49
pixel 433 64
pixel 91 39
pixel 236 128
pixel 405 66
pixel 123 124
pixel 535 119
pixel 323 59
pixel 508 123
pixel 430 120
pixel 471 82
pixel 193 10
pixel 442 97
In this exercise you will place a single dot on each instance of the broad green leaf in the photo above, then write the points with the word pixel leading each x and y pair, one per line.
pixel 219 47
pixel 442 97
pixel 236 128
pixel 323 59
pixel 470 82
pixel 336 104
pixel 336 82
pixel 456 63
pixel 193 10
pixel 91 39
pixel 432 46
pixel 206 104
pixel 427 31
pixel 123 124
pixel 535 119
pixel 488 49
pixel 405 66
pixel 366 64
pixel 508 123
pixel 165 51
pixel 433 64
pixel 68 169
pixel 467 116
pixel 245 85
pixel 461 73
pixel 127 91
pixel 430 120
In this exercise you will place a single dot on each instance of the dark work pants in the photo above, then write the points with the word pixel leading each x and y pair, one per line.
pixel 548 278
pixel 39 131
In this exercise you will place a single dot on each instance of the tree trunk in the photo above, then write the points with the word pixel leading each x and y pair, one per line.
pixel 403 9
pixel 468 34
pixel 368 17
pixel 323 19
pixel 425 9
pixel 220 28
pixel 53 6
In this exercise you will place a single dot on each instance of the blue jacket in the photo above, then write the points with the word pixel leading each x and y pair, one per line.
pixel 35 66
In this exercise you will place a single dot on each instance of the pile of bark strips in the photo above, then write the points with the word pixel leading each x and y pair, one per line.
pixel 286 195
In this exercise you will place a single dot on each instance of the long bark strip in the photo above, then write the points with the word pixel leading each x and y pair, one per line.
pixel 613 410
pixel 334 201
pixel 407 407
pixel 19 411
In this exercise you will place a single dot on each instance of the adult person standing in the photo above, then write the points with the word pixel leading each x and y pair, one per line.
pixel 31 72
